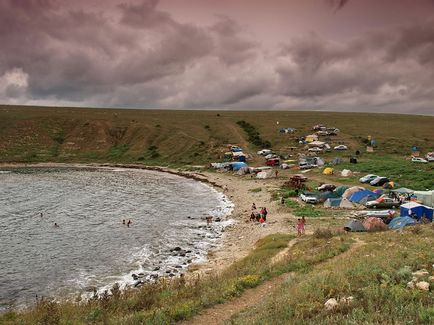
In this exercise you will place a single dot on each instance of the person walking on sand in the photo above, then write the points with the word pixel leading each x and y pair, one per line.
pixel 264 213
pixel 253 206
pixel 303 224
pixel 299 227
pixel 276 173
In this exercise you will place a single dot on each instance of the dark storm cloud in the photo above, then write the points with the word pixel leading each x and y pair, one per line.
pixel 338 4
pixel 135 55
pixel 388 67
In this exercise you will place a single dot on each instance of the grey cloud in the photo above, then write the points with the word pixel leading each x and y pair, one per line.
pixel 233 47
pixel 135 55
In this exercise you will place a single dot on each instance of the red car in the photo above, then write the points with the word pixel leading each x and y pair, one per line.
pixel 273 162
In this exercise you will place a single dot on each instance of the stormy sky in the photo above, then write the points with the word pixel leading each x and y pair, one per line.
pixel 338 55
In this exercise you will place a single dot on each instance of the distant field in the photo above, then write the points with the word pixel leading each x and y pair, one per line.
pixel 30 134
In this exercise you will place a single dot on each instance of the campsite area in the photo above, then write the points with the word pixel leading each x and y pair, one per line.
pixel 365 248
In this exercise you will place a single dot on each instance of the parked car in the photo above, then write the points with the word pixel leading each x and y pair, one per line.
pixel 315 149
pixel 309 197
pixel 332 131
pixel 326 187
pixel 264 152
pixel 430 158
pixel 273 162
pixel 306 165
pixel 271 156
pixel 379 181
pixel 322 133
pixel 419 160
pixel 341 147
pixel 385 203
pixel 368 178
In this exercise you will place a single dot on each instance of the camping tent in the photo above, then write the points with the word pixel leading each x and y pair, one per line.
pixel 332 203
pixel 265 174
pixel 346 173
pixel 243 171
pixel 311 138
pixel 319 162
pixel 425 197
pixel 341 190
pixel 400 222
pixel 237 165
pixel 328 171
pixel 362 197
pixel 354 225
pixel 374 224
pixel 351 191
pixel 403 190
pixel 419 210
pixel 316 144
pixel 338 203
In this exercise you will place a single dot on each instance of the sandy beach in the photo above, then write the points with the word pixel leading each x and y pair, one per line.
pixel 240 238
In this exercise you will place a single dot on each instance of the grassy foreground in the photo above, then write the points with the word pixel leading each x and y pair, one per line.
pixel 169 301
pixel 375 275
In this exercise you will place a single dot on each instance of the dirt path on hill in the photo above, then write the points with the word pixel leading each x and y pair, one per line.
pixel 220 313
pixel 223 312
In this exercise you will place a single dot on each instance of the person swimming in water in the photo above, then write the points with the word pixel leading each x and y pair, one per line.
pixel 129 223
pixel 56 225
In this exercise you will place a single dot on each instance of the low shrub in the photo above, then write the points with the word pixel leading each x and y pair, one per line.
pixel 323 233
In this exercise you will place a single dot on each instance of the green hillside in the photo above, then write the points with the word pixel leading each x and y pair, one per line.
pixel 30 134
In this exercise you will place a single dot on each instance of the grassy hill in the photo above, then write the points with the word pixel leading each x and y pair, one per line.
pixel 29 134
pixel 373 268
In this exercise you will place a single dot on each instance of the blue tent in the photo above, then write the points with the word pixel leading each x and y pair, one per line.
pixel 332 202
pixel 361 195
pixel 237 165
pixel 419 210
pixel 400 222
pixel 236 149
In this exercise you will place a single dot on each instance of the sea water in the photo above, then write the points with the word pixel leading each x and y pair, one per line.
pixel 91 247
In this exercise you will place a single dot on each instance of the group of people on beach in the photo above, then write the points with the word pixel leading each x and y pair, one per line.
pixel 260 216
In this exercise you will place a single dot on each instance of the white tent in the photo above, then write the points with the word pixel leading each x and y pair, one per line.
pixel 426 197
pixel 265 174
pixel 346 173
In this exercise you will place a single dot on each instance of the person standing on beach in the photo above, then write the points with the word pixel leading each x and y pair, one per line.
pixel 264 214
pixel 303 224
